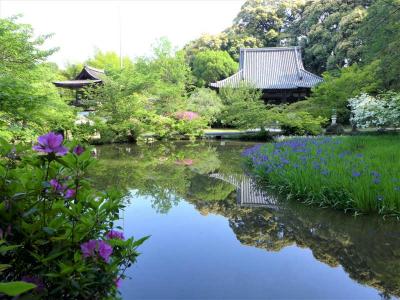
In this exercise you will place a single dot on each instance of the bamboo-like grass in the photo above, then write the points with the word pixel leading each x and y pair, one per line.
pixel 353 173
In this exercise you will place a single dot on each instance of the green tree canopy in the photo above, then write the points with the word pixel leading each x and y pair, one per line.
pixel 210 66
pixel 327 30
pixel 380 33
pixel 29 103
pixel 19 49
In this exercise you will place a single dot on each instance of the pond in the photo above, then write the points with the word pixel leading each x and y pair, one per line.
pixel 215 234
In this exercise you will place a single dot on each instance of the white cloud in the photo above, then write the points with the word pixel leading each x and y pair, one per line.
pixel 82 26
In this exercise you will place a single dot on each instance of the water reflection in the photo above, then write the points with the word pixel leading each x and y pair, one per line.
pixel 209 176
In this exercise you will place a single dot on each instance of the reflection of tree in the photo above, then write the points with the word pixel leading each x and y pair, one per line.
pixel 209 189
pixel 367 248
pixel 153 170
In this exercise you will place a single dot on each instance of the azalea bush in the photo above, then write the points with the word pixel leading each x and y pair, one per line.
pixel 58 236
pixel 189 123
pixel 359 174
pixel 207 103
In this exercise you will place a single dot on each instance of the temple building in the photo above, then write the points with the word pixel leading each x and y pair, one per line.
pixel 277 71
pixel 89 76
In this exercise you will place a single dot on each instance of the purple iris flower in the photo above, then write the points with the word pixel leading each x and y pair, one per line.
pixel 70 193
pixel 376 180
pixel 285 161
pixel 374 173
pixel 51 143
pixel 325 172
pixel 105 251
pixel 78 150
pixel 355 174
pixel 114 234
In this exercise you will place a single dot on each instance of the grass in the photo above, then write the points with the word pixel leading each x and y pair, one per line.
pixel 360 173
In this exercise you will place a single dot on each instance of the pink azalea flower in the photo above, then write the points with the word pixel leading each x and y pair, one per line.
pixel 185 162
pixel 88 248
pixel 105 251
pixel 114 234
pixel 78 150
pixel 51 143
pixel 94 247
pixel 186 115
pixel 117 282
pixel 56 185
pixel 70 193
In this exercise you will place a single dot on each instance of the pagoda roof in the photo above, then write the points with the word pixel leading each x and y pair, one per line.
pixel 75 84
pixel 90 73
pixel 271 68
pixel 87 76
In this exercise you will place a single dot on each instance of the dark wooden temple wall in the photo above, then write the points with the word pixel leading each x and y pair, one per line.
pixel 285 96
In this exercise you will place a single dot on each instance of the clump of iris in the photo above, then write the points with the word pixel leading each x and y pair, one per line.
pixel 344 172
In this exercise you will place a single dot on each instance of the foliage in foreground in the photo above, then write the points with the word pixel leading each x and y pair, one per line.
pixel 56 231
pixel 360 174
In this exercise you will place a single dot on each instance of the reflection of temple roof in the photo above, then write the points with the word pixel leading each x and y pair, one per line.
pixel 249 194
pixel 86 77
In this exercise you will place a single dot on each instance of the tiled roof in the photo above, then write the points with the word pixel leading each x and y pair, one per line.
pixel 90 73
pixel 271 68
pixel 87 76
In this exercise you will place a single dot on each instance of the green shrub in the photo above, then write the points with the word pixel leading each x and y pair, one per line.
pixel 207 103
pixel 300 123
pixel 56 231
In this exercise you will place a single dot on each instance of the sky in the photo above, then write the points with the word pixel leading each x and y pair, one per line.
pixel 81 26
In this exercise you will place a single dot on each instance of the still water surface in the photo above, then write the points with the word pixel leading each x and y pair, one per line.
pixel 215 235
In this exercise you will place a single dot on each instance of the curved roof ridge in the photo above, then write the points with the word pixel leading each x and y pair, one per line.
pixel 286 48
pixel 94 69
pixel 312 74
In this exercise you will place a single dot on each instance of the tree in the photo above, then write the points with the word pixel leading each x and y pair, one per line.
pixel 19 49
pixel 260 23
pixel 164 77
pixel 29 103
pixel 210 66
pixel 243 108
pixel 327 30
pixel 109 61
pixel 380 33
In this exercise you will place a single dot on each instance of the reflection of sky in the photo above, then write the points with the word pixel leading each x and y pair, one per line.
pixel 193 256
